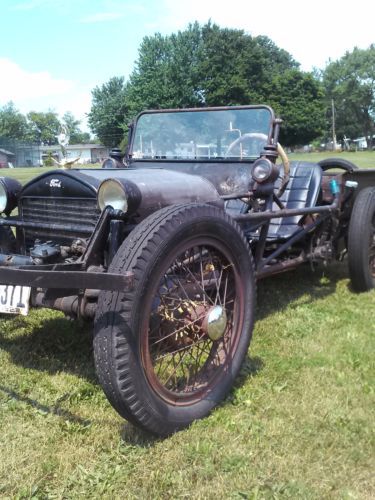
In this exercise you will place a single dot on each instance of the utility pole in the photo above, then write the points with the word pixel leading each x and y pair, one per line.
pixel 334 142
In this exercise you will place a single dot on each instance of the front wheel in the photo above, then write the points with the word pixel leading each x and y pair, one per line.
pixel 168 352
pixel 361 241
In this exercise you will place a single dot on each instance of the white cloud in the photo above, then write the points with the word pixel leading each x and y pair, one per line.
pixel 17 84
pixel 40 91
pixel 101 17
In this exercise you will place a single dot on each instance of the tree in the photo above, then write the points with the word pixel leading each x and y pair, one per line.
pixel 43 127
pixel 166 74
pixel 76 134
pixel 108 114
pixel 235 68
pixel 203 65
pixel 211 66
pixel 299 99
pixel 350 82
pixel 13 124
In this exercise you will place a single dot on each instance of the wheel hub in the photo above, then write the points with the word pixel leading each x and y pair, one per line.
pixel 215 322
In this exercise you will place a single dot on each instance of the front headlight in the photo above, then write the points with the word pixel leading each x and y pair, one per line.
pixel 264 170
pixel 9 191
pixel 3 197
pixel 112 193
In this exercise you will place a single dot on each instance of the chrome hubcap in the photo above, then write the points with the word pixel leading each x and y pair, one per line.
pixel 215 322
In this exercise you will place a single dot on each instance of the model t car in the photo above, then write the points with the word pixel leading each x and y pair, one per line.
pixel 163 251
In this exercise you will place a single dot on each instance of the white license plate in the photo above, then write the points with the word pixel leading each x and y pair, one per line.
pixel 14 299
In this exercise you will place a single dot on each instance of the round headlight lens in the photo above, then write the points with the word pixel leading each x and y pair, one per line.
pixel 261 171
pixel 3 197
pixel 112 193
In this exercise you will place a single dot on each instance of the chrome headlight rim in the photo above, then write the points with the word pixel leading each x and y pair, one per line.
pixel 4 197
pixel 9 192
pixel 112 193
pixel 269 172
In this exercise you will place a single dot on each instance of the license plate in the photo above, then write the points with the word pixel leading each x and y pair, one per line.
pixel 14 299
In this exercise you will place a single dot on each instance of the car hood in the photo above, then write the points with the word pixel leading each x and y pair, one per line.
pixel 158 187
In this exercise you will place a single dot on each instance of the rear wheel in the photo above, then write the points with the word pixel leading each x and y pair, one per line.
pixel 168 352
pixel 361 241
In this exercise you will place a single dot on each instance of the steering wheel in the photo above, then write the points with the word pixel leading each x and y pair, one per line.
pixel 244 138
pixel 280 150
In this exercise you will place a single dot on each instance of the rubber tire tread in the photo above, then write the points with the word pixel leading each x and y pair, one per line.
pixel 329 163
pixel 358 240
pixel 113 347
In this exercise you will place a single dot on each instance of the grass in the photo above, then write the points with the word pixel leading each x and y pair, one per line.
pixel 297 424
pixel 364 159
pixel 27 173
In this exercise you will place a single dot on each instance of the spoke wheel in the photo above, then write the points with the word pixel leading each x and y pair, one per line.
pixel 168 352
pixel 193 323
pixel 361 241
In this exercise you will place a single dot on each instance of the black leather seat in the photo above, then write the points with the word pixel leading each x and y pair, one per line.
pixel 301 192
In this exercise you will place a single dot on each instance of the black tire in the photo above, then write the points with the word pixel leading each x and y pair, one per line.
pixel 177 255
pixel 7 240
pixel 361 241
pixel 329 163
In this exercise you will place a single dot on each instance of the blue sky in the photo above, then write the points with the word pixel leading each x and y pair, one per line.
pixel 54 52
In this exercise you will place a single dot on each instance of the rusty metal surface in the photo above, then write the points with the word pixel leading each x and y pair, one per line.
pixel 37 278
pixel 280 267
pixel 272 214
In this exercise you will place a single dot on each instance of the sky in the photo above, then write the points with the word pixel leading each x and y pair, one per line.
pixel 54 52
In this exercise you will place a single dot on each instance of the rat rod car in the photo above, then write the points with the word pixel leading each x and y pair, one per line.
pixel 164 250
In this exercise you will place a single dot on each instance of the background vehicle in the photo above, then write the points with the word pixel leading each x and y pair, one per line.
pixel 164 252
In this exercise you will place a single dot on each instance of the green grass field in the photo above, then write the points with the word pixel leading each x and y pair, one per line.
pixel 364 159
pixel 299 422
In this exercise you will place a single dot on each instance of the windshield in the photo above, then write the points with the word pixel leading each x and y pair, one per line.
pixel 209 134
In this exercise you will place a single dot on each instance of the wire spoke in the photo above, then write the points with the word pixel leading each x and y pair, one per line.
pixel 183 356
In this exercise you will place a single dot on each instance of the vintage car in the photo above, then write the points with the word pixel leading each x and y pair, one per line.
pixel 163 251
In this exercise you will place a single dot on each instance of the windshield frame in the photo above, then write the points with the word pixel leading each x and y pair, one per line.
pixel 131 159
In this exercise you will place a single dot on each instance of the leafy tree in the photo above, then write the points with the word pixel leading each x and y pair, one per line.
pixel 235 68
pixel 350 82
pixel 299 99
pixel 203 65
pixel 76 134
pixel 13 124
pixel 43 127
pixel 166 73
pixel 210 66
pixel 108 114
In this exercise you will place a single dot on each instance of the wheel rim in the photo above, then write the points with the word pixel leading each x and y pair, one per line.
pixel 193 321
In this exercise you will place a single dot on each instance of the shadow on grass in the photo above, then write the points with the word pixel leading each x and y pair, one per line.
pixel 278 292
pixel 48 410
pixel 57 345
